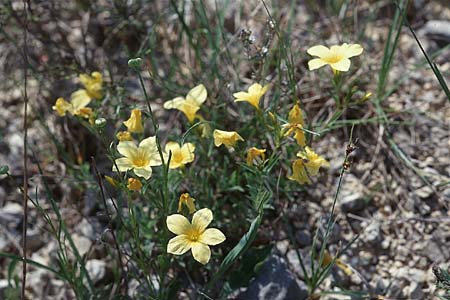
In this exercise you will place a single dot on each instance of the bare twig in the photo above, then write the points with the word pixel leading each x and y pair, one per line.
pixel 25 150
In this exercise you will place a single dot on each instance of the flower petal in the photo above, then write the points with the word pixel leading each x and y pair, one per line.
pixel 174 103
pixel 353 50
pixel 202 218
pixel 188 152
pixel 201 253
pixel 255 88
pixel 79 99
pixel 316 63
pixel 179 245
pixel 241 96
pixel 127 149
pixel 198 94
pixel 178 224
pixel 123 164
pixel 149 143
pixel 143 172
pixel 342 65
pixel 318 50
pixel 212 236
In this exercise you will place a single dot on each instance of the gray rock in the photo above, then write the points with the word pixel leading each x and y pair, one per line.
pixel 437 30
pixel 275 282
pixel 415 291
pixel 96 269
pixel 303 238
pixel 352 203
pixel 294 262
pixel 83 244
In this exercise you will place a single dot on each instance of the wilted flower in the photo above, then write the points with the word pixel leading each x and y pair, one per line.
pixel 111 181
pixel 124 136
pixel 254 94
pixel 327 259
pixel 76 107
pixel 308 163
pixel 188 201
pixel 227 138
pixel 254 152
pixel 180 155
pixel 295 125
pixel 191 104
pixel 140 158
pixel 134 123
pixel 134 184
pixel 195 236
pixel 336 56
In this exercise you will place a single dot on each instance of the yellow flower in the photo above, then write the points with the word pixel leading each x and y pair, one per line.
pixel 191 104
pixel 254 152
pixel 193 236
pixel 336 56
pixel 228 138
pixel 140 158
pixel 254 94
pixel 187 201
pixel 93 84
pixel 134 184
pixel 134 123
pixel 180 155
pixel 123 136
pixel 299 172
pixel 77 106
pixel 313 161
pixel 327 259
pixel 295 125
pixel 308 163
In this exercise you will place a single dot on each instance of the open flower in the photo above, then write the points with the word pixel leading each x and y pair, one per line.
pixel 134 184
pixel 295 125
pixel 327 259
pixel 193 236
pixel 188 201
pixel 76 107
pixel 254 94
pixel 191 104
pixel 180 155
pixel 134 123
pixel 227 138
pixel 307 165
pixel 336 56
pixel 140 158
pixel 253 153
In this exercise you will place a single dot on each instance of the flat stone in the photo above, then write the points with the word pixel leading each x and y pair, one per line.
pixel 275 282
pixel 96 269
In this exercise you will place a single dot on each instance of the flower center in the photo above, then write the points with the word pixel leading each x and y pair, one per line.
pixel 177 156
pixel 194 234
pixel 140 161
pixel 334 58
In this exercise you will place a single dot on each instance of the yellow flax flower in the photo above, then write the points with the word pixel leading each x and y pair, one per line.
pixel 193 236
pixel 295 125
pixel 180 155
pixel 327 259
pixel 336 56
pixel 188 201
pixel 140 158
pixel 227 138
pixel 307 165
pixel 76 107
pixel 134 123
pixel 123 136
pixel 134 184
pixel 93 84
pixel 191 104
pixel 253 153
pixel 254 94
